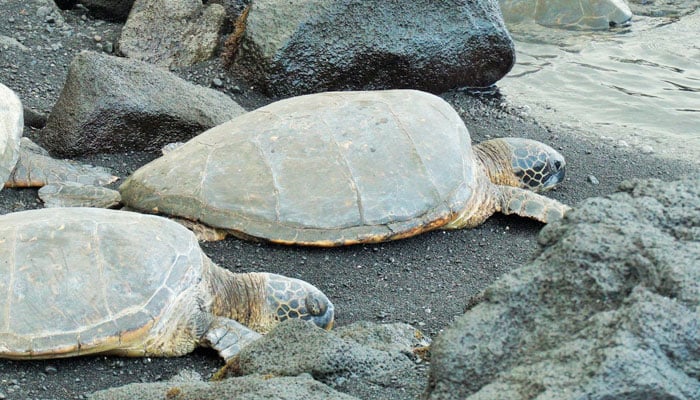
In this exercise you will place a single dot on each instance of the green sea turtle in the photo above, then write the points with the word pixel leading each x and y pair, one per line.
pixel 26 164
pixel 36 168
pixel 341 168
pixel 572 14
pixel 74 194
pixel 11 125
pixel 80 281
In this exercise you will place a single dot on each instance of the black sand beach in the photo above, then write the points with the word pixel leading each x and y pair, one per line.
pixel 425 281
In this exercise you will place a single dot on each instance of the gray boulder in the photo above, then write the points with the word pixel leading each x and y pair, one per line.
pixel 112 104
pixel 116 10
pixel 172 33
pixel 299 46
pixel 11 126
pixel 253 387
pixel 396 337
pixel 610 308
pixel 363 359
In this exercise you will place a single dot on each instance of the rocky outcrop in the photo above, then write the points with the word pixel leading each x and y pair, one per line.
pixel 253 387
pixel 172 33
pixel 364 360
pixel 352 359
pixel 11 126
pixel 115 10
pixel 608 310
pixel 296 47
pixel 111 104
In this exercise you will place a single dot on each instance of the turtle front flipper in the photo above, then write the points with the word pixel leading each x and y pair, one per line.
pixel 228 337
pixel 528 204
pixel 35 168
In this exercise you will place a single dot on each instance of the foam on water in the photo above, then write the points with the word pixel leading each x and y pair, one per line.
pixel 638 85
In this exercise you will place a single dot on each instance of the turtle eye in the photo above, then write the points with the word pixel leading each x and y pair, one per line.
pixel 557 165
pixel 314 306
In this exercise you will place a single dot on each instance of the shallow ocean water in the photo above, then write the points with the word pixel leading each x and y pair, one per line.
pixel 636 86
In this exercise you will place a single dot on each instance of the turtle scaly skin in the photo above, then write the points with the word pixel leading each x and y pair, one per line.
pixel 515 170
pixel 523 163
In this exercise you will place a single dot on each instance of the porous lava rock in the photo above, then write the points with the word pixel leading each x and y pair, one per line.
pixel 608 310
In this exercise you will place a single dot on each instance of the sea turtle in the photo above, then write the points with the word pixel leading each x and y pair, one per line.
pixel 572 14
pixel 25 164
pixel 11 125
pixel 36 168
pixel 74 194
pixel 80 281
pixel 340 168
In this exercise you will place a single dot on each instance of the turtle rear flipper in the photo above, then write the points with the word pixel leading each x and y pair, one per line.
pixel 529 204
pixel 35 168
pixel 73 194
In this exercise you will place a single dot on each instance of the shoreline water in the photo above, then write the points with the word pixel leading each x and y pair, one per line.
pixel 636 87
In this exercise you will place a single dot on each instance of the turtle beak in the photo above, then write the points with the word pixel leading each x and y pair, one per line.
pixel 557 168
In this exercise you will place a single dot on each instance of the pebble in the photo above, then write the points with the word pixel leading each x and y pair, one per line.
pixel 646 149
pixel 216 82
pixel 43 11
pixel 593 180
pixel 51 370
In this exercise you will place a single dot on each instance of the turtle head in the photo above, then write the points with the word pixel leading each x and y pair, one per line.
pixel 293 298
pixel 523 163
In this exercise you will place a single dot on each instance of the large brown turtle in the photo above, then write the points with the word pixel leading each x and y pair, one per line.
pixel 80 281
pixel 340 168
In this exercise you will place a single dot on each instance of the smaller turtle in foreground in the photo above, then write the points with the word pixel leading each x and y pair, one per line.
pixel 82 281
pixel 340 168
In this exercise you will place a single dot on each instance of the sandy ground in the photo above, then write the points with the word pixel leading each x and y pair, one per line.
pixel 425 281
